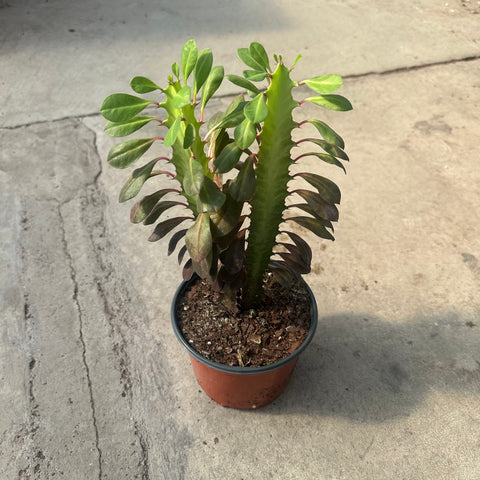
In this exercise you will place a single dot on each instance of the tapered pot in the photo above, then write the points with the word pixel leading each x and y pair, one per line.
pixel 242 387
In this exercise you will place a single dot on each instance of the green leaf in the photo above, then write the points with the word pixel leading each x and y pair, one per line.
pixel 165 227
pixel 172 133
pixel 182 98
pixel 199 244
pixel 135 182
pixel 141 209
pixel 329 192
pixel 243 187
pixel 123 129
pixel 227 159
pixel 188 58
pixel 243 83
pixel 202 69
pixel 325 83
pixel 255 75
pixel 210 198
pixel 234 118
pixel 121 107
pixel 314 226
pixel 256 110
pixel 330 148
pixel 194 176
pixel 259 55
pixel 227 218
pixel 246 57
pixel 328 133
pixel 308 209
pixel 212 84
pixel 332 102
pixel 299 57
pixel 124 154
pixel 245 134
pixel 158 209
pixel 189 137
pixel 176 70
pixel 328 159
pixel 143 85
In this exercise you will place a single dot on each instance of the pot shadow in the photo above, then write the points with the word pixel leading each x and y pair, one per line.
pixel 370 370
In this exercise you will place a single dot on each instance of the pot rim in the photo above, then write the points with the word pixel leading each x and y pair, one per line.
pixel 234 369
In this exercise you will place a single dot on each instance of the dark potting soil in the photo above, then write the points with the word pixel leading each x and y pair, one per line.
pixel 247 339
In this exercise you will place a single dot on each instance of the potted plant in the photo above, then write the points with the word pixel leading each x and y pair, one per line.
pixel 243 311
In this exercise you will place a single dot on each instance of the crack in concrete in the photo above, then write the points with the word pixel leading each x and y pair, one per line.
pixel 81 337
pixel 144 463
pixel 392 71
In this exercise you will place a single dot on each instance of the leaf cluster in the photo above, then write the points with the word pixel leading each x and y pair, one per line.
pixel 226 206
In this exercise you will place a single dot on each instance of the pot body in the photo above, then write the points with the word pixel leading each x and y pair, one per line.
pixel 241 387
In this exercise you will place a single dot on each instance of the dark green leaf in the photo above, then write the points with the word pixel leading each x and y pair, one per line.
pixel 141 209
pixel 189 137
pixel 202 69
pixel 330 148
pixel 210 198
pixel 246 57
pixel 227 159
pixel 328 133
pixel 165 227
pixel 188 58
pixel 136 181
pixel 259 56
pixel 243 83
pixel 233 257
pixel 123 129
pixel 194 176
pixel 254 75
pixel 321 208
pixel 199 244
pixel 232 119
pixel 245 134
pixel 314 226
pixel 121 107
pixel 219 140
pixel 124 154
pixel 176 237
pixel 158 209
pixel 256 110
pixel 182 98
pixel 143 85
pixel 243 187
pixel 227 218
pixel 328 159
pixel 212 84
pixel 329 192
pixel 332 102
pixel 325 83
pixel 172 133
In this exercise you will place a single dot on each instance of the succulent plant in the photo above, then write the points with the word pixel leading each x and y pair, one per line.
pixel 234 171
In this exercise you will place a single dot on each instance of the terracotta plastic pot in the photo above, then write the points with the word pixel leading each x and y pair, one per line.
pixel 241 387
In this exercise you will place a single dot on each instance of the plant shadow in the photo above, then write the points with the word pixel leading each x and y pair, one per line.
pixel 372 370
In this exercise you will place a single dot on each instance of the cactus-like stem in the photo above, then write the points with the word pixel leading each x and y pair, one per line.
pixel 272 173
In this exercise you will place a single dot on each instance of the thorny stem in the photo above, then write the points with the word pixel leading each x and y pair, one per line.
pixel 164 172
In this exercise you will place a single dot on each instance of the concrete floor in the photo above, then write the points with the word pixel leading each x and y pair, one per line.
pixel 93 382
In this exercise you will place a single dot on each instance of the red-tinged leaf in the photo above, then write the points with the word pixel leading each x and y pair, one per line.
pixel 165 227
pixel 314 226
pixel 303 255
pixel 308 209
pixel 322 209
pixel 282 273
pixel 233 258
pixel 176 237
pixel 301 244
pixel 329 192
pixel 327 158
pixel 158 209
pixel 225 220
pixel 188 270
pixel 297 267
pixel 141 209
pixel 198 240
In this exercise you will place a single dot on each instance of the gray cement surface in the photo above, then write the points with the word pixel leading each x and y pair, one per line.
pixel 93 384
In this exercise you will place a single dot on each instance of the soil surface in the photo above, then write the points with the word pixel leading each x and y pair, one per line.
pixel 247 339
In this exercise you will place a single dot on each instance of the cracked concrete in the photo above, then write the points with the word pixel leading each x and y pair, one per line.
pixel 92 381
